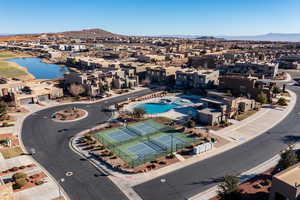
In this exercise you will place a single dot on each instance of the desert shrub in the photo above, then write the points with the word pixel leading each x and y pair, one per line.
pixel 19 175
pixel 170 156
pixel 162 163
pixel 191 123
pixel 19 183
pixel 282 101
pixel 266 182
pixel 13 169
pixel 5 124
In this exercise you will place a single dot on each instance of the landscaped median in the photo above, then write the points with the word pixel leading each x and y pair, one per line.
pixel 69 115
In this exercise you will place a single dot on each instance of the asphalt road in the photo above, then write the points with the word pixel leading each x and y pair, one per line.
pixel 43 134
pixel 189 181
pixel 54 154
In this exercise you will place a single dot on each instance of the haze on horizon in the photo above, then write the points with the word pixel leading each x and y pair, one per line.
pixel 192 17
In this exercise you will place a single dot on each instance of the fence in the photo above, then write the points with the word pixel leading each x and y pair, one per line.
pixel 131 159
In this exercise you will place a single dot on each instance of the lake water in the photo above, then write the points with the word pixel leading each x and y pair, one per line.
pixel 39 69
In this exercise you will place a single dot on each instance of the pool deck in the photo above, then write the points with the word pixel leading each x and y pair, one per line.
pixel 172 113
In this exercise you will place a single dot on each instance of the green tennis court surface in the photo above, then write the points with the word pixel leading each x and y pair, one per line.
pixel 142 142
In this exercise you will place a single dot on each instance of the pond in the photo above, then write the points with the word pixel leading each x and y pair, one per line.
pixel 39 69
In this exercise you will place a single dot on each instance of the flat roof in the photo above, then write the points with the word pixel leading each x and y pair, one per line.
pixel 290 176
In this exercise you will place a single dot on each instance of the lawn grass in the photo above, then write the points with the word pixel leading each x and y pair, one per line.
pixel 11 152
pixel 7 55
pixel 13 70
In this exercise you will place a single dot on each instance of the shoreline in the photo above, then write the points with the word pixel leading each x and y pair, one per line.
pixel 41 60
pixel 26 77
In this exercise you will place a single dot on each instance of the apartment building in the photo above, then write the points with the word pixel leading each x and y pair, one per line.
pixel 261 70
pixel 162 75
pixel 203 61
pixel 94 83
pixel 289 62
pixel 218 107
pixel 99 81
pixel 192 78
pixel 247 86
pixel 151 58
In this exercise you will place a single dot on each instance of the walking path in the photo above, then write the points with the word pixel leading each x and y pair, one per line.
pixel 238 133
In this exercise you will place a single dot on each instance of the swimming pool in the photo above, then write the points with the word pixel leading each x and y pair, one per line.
pixel 155 108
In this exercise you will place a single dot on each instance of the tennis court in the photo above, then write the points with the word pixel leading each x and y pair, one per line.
pixel 167 140
pixel 146 127
pixel 142 142
pixel 141 150
pixel 120 135
pixel 131 131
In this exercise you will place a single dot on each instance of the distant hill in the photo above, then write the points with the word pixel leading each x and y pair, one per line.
pixel 87 33
pixel 190 37
pixel 279 37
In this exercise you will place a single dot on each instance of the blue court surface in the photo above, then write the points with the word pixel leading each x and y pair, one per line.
pixel 119 135
pixel 143 128
pixel 141 150
pixel 166 140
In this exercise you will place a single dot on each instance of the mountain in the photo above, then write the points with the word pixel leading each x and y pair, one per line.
pixel 279 37
pixel 190 37
pixel 88 33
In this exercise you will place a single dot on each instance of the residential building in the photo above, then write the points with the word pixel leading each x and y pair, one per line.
pixel 218 107
pixel 192 78
pixel 261 70
pixel 94 82
pixel 247 86
pixel 286 184
pixel 162 75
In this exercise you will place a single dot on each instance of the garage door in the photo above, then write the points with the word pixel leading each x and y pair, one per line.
pixel 26 101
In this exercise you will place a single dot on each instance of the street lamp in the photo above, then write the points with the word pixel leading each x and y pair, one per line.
pixel 164 181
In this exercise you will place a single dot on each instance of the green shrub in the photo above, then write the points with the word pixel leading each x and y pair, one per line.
pixel 262 98
pixel 19 183
pixel 282 101
pixel 5 124
pixel 191 123
pixel 19 175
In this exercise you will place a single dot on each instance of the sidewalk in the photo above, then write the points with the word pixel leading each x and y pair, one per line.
pixel 49 190
pixel 238 133
pixel 212 192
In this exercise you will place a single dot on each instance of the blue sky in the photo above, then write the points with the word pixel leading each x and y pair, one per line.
pixel 152 17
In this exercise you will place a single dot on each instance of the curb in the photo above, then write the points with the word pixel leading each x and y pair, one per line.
pixel 19 133
pixel 213 189
pixel 64 194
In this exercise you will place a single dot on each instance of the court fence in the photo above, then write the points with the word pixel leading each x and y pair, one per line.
pixel 134 160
